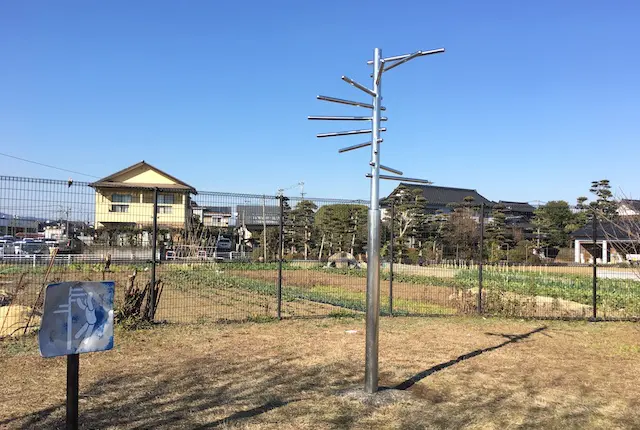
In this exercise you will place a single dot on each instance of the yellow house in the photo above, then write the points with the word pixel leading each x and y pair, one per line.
pixel 126 198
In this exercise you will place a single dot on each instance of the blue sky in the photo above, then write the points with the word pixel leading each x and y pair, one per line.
pixel 531 101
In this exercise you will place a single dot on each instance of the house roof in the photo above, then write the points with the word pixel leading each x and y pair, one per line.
pixel 517 206
pixel 605 230
pixel 633 204
pixel 446 195
pixel 110 181
pixel 223 210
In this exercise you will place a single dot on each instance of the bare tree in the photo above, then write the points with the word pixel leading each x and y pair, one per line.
pixel 618 222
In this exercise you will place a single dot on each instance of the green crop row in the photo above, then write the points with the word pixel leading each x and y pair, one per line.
pixel 203 280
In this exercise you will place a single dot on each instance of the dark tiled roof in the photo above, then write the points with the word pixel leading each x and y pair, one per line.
pixel 633 204
pixel 252 214
pixel 446 195
pixel 606 230
pixel 224 210
pixel 517 206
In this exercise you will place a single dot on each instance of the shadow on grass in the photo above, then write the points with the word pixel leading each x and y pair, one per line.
pixel 511 338
pixel 269 406
pixel 188 394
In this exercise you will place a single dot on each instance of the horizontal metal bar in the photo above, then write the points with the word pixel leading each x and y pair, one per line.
pixel 347 133
pixel 404 60
pixel 358 146
pixel 347 102
pixel 351 148
pixel 392 170
pixel 358 86
pixel 403 179
pixel 401 57
pixel 341 118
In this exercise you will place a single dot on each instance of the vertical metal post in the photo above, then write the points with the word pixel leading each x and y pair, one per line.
pixel 373 243
pixel 480 258
pixel 154 245
pixel 73 387
pixel 393 215
pixel 264 230
pixel 595 265
pixel 280 256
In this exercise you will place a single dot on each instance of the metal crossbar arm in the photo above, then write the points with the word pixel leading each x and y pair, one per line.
pixel 380 70
pixel 392 170
pixel 358 86
pixel 347 133
pixel 404 60
pixel 401 57
pixel 340 118
pixel 403 179
pixel 351 148
pixel 347 102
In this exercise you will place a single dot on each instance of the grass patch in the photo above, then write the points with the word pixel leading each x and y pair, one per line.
pixel 458 373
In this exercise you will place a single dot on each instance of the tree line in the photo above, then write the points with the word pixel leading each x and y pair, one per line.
pixel 312 232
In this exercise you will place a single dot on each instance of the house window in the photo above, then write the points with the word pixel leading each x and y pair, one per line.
pixel 164 209
pixel 120 199
pixel 165 199
pixel 119 208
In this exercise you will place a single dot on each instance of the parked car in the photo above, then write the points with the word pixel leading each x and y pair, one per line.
pixel 7 248
pixel 33 248
pixel 223 244
pixel 70 246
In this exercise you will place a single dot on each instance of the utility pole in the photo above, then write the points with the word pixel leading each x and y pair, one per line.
pixel 380 66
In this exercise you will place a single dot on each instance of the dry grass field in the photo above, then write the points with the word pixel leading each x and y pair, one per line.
pixel 453 373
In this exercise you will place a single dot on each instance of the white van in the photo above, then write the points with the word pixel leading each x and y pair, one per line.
pixel 7 248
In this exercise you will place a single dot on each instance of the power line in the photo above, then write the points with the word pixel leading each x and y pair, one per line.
pixel 49 166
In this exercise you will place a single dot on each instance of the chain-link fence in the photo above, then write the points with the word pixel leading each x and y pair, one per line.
pixel 226 257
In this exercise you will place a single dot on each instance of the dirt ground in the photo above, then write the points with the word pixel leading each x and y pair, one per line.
pixel 452 373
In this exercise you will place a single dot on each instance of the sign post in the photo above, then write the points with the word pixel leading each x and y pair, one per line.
pixel 73 390
pixel 380 66
pixel 77 318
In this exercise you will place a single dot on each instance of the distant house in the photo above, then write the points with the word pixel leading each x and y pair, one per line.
pixel 614 243
pixel 126 198
pixel 442 199
pixel 518 217
pixel 212 216
pixel 629 207
pixel 13 224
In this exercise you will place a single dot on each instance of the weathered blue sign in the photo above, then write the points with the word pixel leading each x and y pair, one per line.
pixel 77 318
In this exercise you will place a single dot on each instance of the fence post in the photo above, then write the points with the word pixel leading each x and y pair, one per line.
pixel 393 214
pixel 481 258
pixel 154 244
pixel 595 265
pixel 280 256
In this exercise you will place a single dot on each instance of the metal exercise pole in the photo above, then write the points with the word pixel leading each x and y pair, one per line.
pixel 373 244
pixel 393 215
pixel 73 371
pixel 154 245
pixel 280 245
pixel 595 266
pixel 480 258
